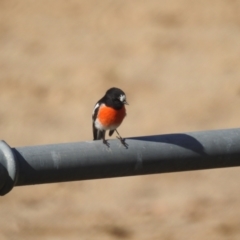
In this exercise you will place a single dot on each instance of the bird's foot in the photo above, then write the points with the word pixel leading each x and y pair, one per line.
pixel 106 142
pixel 122 140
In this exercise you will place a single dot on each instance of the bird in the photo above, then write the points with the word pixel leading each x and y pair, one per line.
pixel 108 114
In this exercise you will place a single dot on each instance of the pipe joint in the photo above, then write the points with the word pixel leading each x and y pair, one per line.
pixel 8 168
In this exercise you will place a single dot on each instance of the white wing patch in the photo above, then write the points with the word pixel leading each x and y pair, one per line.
pixel 96 106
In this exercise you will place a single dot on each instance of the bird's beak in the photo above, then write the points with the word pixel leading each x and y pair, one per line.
pixel 125 102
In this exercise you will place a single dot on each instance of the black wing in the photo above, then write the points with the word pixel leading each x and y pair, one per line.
pixel 97 134
pixel 94 116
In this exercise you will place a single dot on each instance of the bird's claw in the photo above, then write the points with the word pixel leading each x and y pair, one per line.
pixel 122 140
pixel 106 142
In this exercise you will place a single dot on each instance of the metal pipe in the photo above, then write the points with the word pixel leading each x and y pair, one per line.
pixel 93 159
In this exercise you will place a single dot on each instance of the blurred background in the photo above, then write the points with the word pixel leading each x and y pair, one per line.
pixel 177 61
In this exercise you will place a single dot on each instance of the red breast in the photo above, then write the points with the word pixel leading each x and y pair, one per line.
pixel 108 116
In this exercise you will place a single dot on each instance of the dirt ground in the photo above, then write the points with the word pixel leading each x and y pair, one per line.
pixel 178 62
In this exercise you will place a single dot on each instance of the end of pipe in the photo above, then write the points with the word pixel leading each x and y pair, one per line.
pixel 8 168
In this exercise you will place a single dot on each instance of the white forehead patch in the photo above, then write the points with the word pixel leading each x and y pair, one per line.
pixel 122 98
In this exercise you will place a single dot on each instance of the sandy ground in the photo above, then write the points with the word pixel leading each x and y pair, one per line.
pixel 178 62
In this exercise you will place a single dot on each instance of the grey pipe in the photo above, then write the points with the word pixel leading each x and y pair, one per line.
pixel 92 159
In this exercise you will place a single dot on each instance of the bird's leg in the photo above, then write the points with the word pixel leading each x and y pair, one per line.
pixel 122 140
pixel 104 140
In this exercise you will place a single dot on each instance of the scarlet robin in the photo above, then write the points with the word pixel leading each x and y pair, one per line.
pixel 108 114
